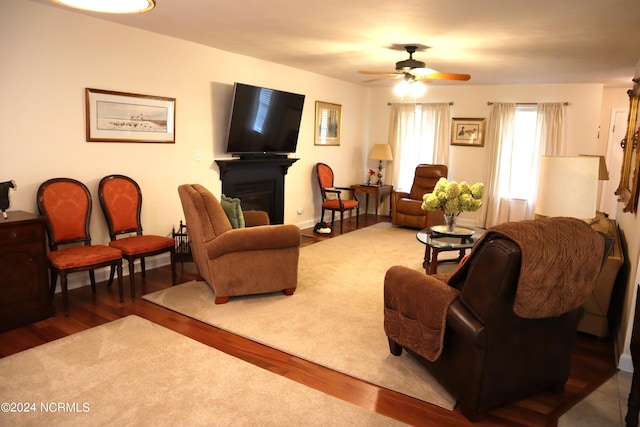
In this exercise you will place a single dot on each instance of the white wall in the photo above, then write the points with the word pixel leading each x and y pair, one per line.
pixel 49 56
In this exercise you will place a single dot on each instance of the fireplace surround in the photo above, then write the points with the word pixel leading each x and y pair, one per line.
pixel 258 183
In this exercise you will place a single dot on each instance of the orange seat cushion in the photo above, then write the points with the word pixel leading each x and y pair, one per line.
pixel 142 244
pixel 80 256
pixel 335 204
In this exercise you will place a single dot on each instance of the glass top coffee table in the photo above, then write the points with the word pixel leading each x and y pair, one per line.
pixel 437 240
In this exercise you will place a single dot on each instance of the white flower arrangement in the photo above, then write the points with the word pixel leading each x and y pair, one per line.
pixel 453 198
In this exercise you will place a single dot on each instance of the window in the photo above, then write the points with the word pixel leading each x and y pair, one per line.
pixel 524 149
pixel 520 134
pixel 420 135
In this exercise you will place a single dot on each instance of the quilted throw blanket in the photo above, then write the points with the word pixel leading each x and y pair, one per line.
pixel 561 260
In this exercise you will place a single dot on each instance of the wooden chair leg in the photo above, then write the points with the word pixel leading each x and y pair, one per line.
pixel 222 300
pixel 120 288
pixel 92 278
pixel 174 277
pixel 357 217
pixel 289 291
pixel 65 296
pixel 132 283
pixel 112 272
pixel 341 220
pixel 142 267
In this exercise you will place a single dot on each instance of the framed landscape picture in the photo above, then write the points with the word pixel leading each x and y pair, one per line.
pixel 129 117
pixel 469 132
pixel 328 123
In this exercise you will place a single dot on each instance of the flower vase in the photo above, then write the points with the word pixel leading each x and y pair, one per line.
pixel 450 221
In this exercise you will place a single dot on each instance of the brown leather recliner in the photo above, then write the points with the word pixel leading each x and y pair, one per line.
pixel 407 210
pixel 498 331
pixel 239 261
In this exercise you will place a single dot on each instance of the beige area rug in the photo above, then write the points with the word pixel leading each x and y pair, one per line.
pixel 135 372
pixel 335 318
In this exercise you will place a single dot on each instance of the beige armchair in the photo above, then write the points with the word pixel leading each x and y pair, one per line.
pixel 596 309
pixel 241 261
pixel 407 210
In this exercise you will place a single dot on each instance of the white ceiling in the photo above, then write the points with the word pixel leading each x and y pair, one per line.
pixel 496 41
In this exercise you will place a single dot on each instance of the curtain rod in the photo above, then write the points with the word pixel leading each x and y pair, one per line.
pixel 527 103
pixel 391 103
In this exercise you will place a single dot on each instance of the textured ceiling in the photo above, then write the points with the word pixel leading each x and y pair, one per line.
pixel 496 41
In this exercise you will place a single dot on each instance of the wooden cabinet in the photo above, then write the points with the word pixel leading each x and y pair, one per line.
pixel 24 290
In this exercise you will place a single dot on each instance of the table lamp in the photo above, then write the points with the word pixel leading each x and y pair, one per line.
pixel 380 152
pixel 568 186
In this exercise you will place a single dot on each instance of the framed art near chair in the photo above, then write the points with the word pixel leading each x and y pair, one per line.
pixel 328 123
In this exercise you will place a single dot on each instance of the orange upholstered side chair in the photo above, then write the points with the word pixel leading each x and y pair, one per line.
pixel 67 205
pixel 332 196
pixel 121 201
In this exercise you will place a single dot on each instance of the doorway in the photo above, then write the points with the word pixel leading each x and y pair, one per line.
pixel 617 132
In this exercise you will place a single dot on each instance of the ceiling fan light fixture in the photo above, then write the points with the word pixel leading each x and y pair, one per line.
pixel 110 6
pixel 412 88
pixel 417 89
pixel 402 88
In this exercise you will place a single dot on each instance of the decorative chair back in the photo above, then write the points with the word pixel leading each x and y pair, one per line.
pixel 67 206
pixel 325 178
pixel 121 201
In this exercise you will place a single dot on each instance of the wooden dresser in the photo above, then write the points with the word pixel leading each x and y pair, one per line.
pixel 24 289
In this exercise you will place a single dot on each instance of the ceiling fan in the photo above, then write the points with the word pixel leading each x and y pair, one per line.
pixel 412 70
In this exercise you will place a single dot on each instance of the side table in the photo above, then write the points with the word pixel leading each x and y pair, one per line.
pixel 24 286
pixel 436 243
pixel 378 191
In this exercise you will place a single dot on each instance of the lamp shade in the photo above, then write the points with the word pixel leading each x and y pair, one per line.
pixel 381 152
pixel 568 186
pixel 603 172
pixel 110 6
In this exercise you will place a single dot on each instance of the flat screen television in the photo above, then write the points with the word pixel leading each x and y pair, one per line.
pixel 263 121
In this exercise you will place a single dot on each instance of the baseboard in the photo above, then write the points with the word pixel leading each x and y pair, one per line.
pixel 625 363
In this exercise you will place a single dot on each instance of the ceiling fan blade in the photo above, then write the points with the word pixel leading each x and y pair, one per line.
pixel 389 77
pixel 378 72
pixel 444 76
pixel 419 72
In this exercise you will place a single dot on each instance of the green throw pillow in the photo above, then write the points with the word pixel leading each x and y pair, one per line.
pixel 233 210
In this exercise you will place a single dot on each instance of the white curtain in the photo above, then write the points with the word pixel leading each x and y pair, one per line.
pixel 549 140
pixel 499 139
pixel 418 133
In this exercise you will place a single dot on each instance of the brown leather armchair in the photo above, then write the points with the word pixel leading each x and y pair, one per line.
pixel 241 261
pixel 504 325
pixel 407 211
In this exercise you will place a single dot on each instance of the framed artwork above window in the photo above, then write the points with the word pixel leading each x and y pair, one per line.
pixel 469 132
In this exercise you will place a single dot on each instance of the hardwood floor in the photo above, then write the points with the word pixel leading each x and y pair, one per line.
pixel 593 360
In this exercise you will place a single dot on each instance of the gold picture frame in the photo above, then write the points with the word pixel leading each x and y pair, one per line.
pixel 328 123
pixel 129 117
pixel 628 188
pixel 467 132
